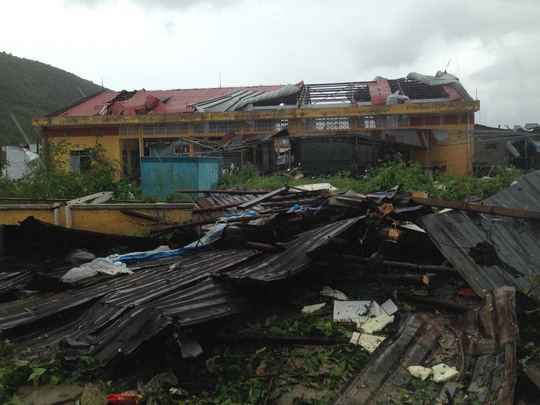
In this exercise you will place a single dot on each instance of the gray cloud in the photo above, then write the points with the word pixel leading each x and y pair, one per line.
pixel 155 5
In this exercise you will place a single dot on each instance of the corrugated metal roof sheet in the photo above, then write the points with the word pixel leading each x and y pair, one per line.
pixel 176 101
pixel 119 315
pixel 10 281
pixel 230 98
pixel 296 257
pixel 516 241
pixel 488 336
pixel 237 100
pixel 442 79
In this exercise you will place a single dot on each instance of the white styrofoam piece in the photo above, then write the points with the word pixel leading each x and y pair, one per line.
pixel 442 372
pixel 376 324
pixel 354 311
pixel 368 342
pixel 389 307
pixel 309 309
pixel 419 372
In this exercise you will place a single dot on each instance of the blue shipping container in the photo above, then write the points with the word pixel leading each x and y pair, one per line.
pixel 162 175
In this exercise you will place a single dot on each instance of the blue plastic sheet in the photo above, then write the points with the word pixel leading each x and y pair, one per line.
pixel 210 238
pixel 299 208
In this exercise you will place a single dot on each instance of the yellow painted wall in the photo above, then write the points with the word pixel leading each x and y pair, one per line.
pixel 451 153
pixel 12 215
pixel 111 145
pixel 454 157
pixel 98 219
pixel 115 222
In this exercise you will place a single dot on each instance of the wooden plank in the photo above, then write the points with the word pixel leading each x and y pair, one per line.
pixel 262 198
pixel 481 208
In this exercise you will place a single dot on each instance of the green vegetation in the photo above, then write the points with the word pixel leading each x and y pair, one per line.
pixel 52 180
pixel 16 371
pixel 297 375
pixel 411 175
pixel 307 326
pixel 31 89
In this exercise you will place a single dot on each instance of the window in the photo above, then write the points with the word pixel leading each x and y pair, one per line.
pixel 325 123
pixel 165 129
pixel 80 161
pixel 267 125
pixel 216 127
pixel 127 130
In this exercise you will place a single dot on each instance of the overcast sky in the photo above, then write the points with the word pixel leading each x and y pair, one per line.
pixel 492 46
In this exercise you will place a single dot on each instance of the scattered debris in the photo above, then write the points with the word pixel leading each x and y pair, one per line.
pixel 420 372
pixel 443 373
pixel 310 309
pixel 328 292
pixel 368 342
pixel 490 351
pixel 248 247
pixel 190 347
pixel 376 324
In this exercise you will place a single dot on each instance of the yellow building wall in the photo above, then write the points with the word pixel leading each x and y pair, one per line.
pixel 101 218
pixel 113 221
pixel 456 153
pixel 13 214
pixel 110 145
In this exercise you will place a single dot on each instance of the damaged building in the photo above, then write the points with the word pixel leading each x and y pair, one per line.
pixel 505 147
pixel 327 127
pixel 446 291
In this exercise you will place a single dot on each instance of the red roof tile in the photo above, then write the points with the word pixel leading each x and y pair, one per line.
pixel 164 101
pixel 92 106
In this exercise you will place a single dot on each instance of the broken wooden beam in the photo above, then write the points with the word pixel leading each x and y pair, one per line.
pixel 263 247
pixel 265 197
pixel 434 302
pixel 207 222
pixel 223 191
pixel 480 208
pixel 424 268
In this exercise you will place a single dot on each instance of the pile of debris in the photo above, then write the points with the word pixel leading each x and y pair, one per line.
pixel 243 248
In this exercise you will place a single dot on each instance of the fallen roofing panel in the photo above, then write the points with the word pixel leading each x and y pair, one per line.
pixel 296 257
pixel 491 251
pixel 13 280
pixel 119 315
pixel 481 344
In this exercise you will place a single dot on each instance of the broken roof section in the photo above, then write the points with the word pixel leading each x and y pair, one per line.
pixel 480 344
pixel 492 251
pixel 239 99
pixel 140 102
pixel 415 88
pixel 450 83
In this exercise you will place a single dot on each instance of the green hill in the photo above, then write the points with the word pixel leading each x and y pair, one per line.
pixel 31 89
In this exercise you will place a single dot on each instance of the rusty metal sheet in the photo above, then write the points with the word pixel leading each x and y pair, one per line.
pixel 515 241
pixel 488 337
pixel 217 205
